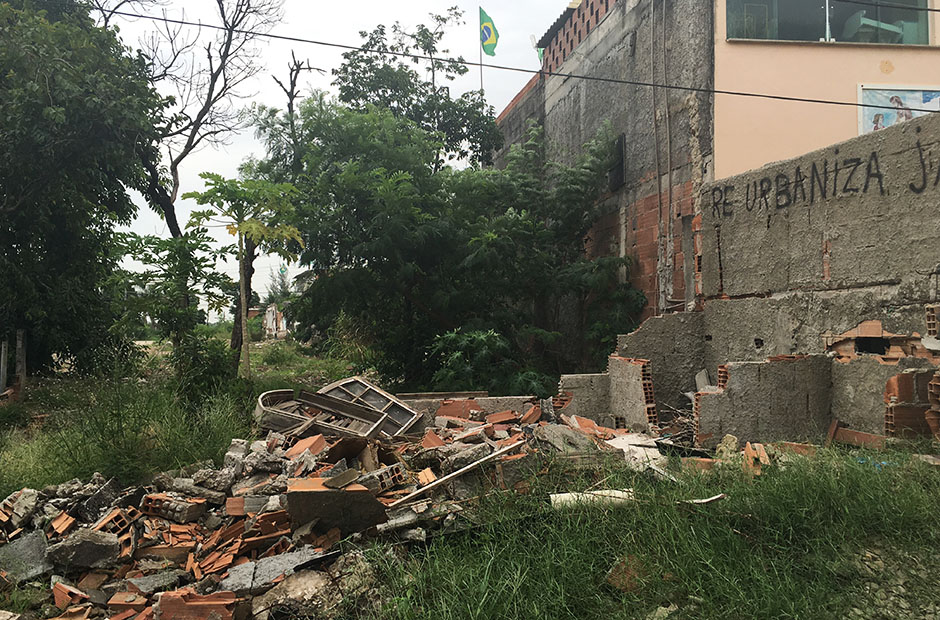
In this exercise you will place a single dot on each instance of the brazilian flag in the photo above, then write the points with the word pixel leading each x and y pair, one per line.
pixel 488 34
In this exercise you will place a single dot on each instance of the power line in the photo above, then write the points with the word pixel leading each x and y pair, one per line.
pixel 890 5
pixel 467 63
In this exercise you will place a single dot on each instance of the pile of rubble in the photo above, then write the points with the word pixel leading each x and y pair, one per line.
pixel 265 528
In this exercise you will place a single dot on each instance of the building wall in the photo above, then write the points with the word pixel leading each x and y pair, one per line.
pixel 668 134
pixel 752 132
pixel 795 269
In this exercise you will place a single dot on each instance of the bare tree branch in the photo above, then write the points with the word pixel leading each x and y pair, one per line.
pixel 207 80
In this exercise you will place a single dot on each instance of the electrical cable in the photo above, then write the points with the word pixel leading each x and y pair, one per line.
pixel 468 63
pixel 890 5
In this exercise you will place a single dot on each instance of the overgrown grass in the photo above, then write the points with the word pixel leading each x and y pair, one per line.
pixel 784 545
pixel 126 429
pixel 286 364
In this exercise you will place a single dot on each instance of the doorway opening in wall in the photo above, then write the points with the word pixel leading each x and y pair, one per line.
pixel 877 21
pixel 872 346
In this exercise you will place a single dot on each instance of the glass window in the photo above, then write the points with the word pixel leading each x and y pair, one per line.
pixel 874 21
pixel 891 23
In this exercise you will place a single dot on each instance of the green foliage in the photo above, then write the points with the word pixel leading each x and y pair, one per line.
pixel 124 429
pixel 76 113
pixel 203 366
pixel 788 544
pixel 279 354
pixel 418 90
pixel 178 273
pixel 409 254
pixel 484 359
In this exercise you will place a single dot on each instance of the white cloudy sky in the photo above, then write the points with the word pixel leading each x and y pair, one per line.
pixel 341 22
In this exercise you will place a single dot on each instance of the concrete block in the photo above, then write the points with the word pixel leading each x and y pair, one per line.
pixel 85 548
pixel 25 558
pixel 351 509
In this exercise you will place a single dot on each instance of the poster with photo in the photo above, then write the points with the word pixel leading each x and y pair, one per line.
pixel 897 105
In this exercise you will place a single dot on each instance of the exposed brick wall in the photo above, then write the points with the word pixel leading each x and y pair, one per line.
pixel 582 21
pixel 642 241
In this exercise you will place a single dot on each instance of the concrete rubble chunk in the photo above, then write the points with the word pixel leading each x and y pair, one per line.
pixel 465 457
pixel 25 558
pixel 252 577
pixel 85 548
pixel 9 615
pixel 257 462
pixel 311 590
pixel 564 439
pixel 186 486
pixel 158 581
pixel 21 505
pixel 90 509
pixel 215 479
pixel 351 509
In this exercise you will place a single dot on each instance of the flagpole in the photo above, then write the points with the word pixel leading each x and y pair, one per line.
pixel 481 66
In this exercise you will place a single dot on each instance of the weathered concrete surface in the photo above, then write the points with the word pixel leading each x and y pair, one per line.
pixel 859 221
pixel 351 509
pixel 255 576
pixel 857 399
pixel 85 548
pixel 25 558
pixel 770 401
pixel 627 399
pixel 590 396
pixel 675 345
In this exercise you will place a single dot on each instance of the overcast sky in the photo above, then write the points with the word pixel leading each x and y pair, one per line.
pixel 341 22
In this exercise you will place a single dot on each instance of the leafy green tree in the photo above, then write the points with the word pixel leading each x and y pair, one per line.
pixel 76 111
pixel 280 291
pixel 442 266
pixel 251 209
pixel 418 90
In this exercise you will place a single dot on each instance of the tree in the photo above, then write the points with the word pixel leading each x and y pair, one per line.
pixel 76 109
pixel 443 267
pixel 279 289
pixel 250 209
pixel 417 90
pixel 207 80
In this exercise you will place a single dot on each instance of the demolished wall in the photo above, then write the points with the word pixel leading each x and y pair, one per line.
pixel 831 254
pixel 781 399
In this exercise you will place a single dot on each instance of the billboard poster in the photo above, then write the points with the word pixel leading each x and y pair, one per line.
pixel 897 104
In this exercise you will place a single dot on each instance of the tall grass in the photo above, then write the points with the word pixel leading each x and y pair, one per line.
pixel 781 546
pixel 125 429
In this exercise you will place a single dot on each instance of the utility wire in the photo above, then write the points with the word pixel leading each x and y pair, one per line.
pixel 890 5
pixel 467 63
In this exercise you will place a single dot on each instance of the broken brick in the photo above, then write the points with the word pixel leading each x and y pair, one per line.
pixel 431 440
pixel 66 596
pixel 315 445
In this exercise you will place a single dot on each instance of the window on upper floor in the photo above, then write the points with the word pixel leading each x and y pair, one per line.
pixel 865 21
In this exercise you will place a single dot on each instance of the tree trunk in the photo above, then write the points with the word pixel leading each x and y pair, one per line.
pixel 21 359
pixel 4 353
pixel 246 369
pixel 246 270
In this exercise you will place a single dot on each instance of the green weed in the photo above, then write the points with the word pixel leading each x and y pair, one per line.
pixel 783 545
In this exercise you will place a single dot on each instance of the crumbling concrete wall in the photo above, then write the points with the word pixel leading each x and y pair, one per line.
pixel 773 400
pixel 849 217
pixel 590 396
pixel 857 398
pixel 668 135
pixel 675 345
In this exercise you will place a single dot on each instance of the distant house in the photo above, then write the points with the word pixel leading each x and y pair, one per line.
pixel 274 325
pixel 675 141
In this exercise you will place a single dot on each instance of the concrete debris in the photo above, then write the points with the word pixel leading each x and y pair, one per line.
pixel 25 558
pixel 85 548
pixel 266 525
